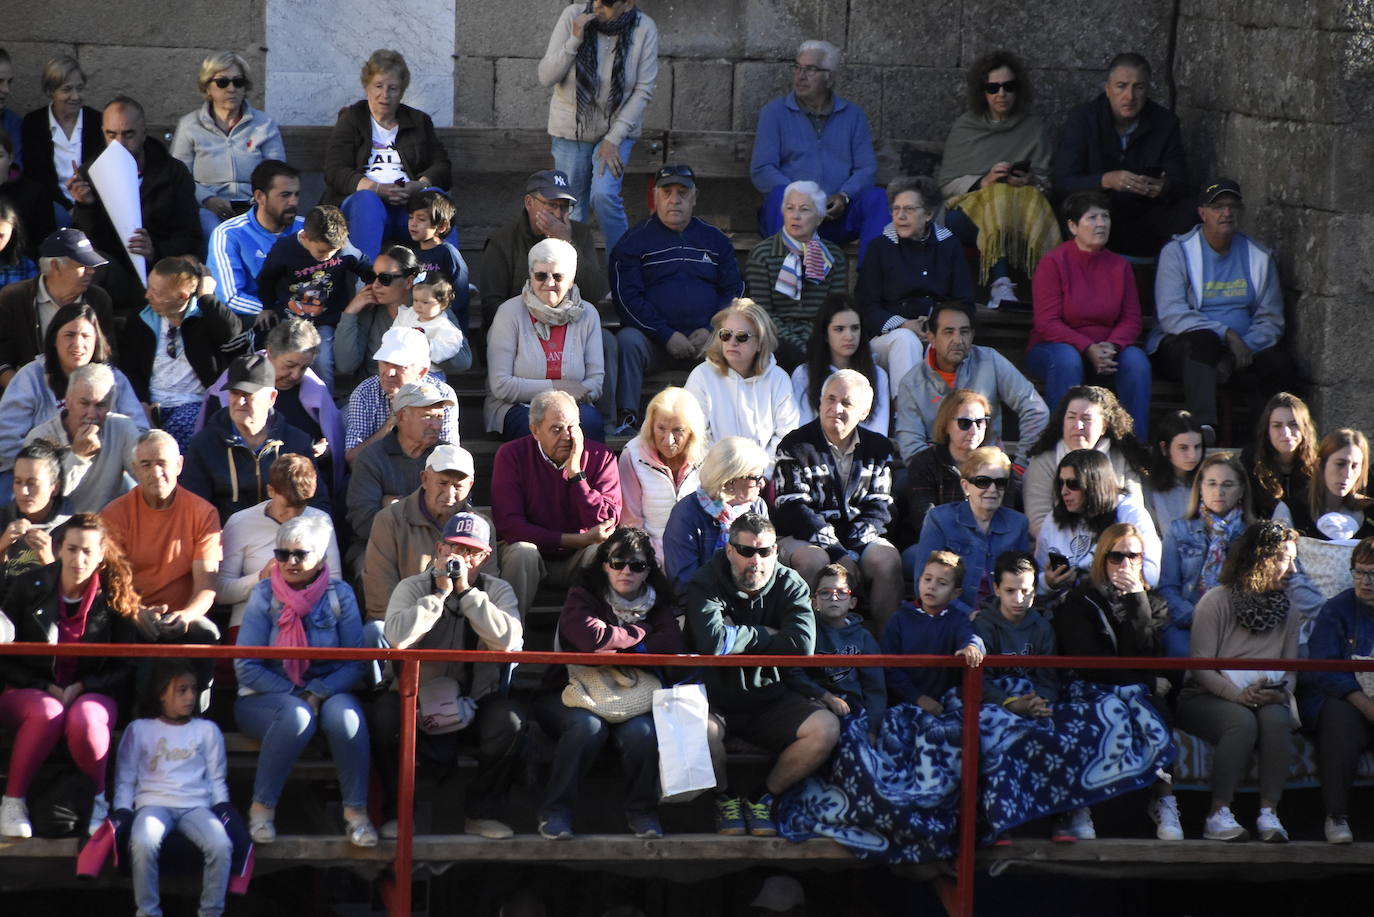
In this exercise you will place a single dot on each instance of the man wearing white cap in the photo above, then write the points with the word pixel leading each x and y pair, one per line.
pixel 389 469
pixel 402 358
pixel 403 534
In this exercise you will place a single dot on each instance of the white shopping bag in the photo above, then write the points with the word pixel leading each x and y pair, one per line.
pixel 684 759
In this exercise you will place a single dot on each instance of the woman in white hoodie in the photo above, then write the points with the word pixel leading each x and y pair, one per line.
pixel 740 387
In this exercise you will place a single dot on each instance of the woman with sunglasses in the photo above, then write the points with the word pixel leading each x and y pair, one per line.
pixel 1088 500
pixel 995 170
pixel 623 604
pixel 1339 506
pixel 838 341
pixel 933 479
pixel 978 528
pixel 224 140
pixel 548 337
pixel 282 702
pixel 1282 460
pixel 373 311
pixel 731 485
pixel 1174 458
pixel 740 387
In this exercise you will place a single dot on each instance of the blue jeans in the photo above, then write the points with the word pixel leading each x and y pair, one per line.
pixel 372 221
pixel 1060 367
pixel 285 724
pixel 966 231
pixel 324 358
pixel 208 222
pixel 201 827
pixel 591 184
pixel 864 219
pixel 581 735
pixel 517 422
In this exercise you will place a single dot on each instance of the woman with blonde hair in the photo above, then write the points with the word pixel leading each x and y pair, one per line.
pixel 1338 502
pixel 731 483
pixel 961 426
pixel 740 387
pixel 661 465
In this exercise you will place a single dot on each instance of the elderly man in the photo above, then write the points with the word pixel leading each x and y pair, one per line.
pixel 834 496
pixel 952 362
pixel 742 602
pixel 240 244
pixel 227 463
pixel 450 605
pixel 669 275
pixel 1219 308
pixel 171 215
pixel 1131 147
pixel 402 359
pixel 98 464
pixel 66 266
pixel 403 533
pixel 554 497
pixel 389 469
pixel 812 134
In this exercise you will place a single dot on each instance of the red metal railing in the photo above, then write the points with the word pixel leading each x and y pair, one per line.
pixel 955 894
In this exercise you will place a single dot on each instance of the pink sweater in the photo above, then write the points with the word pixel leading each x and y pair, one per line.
pixel 1082 298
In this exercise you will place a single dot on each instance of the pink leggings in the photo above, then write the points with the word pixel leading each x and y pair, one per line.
pixel 37 720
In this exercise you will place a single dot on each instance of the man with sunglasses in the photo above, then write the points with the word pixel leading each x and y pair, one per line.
pixel 744 602
pixel 812 134
pixel 669 275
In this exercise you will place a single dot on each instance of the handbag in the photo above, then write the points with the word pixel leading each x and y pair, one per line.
pixel 684 757
pixel 614 693
pixel 440 707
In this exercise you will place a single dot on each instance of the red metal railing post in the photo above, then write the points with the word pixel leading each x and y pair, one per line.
pixel 402 867
pixel 964 862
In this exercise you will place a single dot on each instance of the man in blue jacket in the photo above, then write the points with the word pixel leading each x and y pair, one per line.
pixel 668 275
pixel 240 244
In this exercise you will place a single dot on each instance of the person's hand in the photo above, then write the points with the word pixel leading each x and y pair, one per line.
pixel 388 499
pixel 41 543
pixel 72 692
pixel 600 532
pixel 79 189
pixel 1153 187
pixel 972 655
pixel 1058 578
pixel 1124 180
pixel 174 623
pixel 1102 356
pixel 365 298
pixel 1239 349
pixel 608 154
pixel 1126 579
pixel 1020 179
pixel 930 705
pixel 1162 686
pixel 999 172
pixel 319 447
pixel 680 346
pixel 836 705
pixel 699 339
pixel 443 583
pixel 267 568
pixel 553 224
pixel 574 463
pixel 86 443
pixel 147 620
pixel 13 532
pixel 919 326
pixel 393 193
pixel 580 22
pixel 572 387
pixel 140 243
pixel 219 207
pixel 1271 695
pixel 835 205
pixel 267 320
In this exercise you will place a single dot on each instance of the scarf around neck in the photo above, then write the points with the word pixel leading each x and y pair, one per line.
pixel 809 261
pixel 1260 612
pixel 631 611
pixel 70 629
pixel 295 605
pixel 622 28
pixel 723 513
pixel 546 317
pixel 1220 531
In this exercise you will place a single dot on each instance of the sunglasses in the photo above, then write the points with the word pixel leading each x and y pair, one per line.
pixel 224 82
pixel 984 481
pixel 386 278
pixel 284 555
pixel 993 88
pixel 173 335
pixel 1070 484
pixel 636 566
pixel 834 593
pixel 741 337
pixel 676 170
pixel 748 550
pixel 541 276
pixel 1120 557
pixel 968 423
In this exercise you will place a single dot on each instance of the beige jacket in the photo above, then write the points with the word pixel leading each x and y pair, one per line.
pixel 557 69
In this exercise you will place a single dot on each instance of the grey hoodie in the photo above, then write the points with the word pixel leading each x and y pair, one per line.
pixel 1031 636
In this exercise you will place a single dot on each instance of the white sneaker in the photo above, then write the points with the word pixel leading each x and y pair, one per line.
pixel 1001 290
pixel 14 817
pixel 1082 824
pixel 1338 830
pixel 1164 813
pixel 100 810
pixel 1269 828
pixel 389 829
pixel 1221 825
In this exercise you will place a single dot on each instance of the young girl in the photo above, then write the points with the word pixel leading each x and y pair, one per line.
pixel 838 341
pixel 171 769
pixel 14 264
pixel 1177 452
pixel 1340 506
pixel 1281 461
pixel 429 300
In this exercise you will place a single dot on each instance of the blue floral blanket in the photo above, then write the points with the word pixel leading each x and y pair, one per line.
pixel 898 802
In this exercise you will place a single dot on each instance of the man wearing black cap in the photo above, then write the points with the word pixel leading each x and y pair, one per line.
pixel 1219 307
pixel 669 275
pixel 66 265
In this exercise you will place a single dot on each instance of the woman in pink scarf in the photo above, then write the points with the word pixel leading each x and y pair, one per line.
pixel 281 702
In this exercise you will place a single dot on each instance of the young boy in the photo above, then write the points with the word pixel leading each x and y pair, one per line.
pixel 311 276
pixel 843 689
pixel 937 626
pixel 1008 625
pixel 431 219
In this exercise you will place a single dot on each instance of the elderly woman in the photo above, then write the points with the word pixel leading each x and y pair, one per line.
pixel 250 535
pixel 1086 316
pixel 995 169
pixel 282 701
pixel 548 337
pixel 1087 417
pixel 837 341
pixel 373 311
pixel 1282 460
pixel 794 272
pixel 1089 498
pixel 913 265
pixel 38 508
pixel 57 139
pixel 622 603
pixel 1177 451
pixel 1240 712
pixel 977 528
pixel 85 596
pixel 740 388
pixel 731 485
pixel 1339 506
pixel 379 154
pixel 661 465
pixel 223 141
pixel 933 479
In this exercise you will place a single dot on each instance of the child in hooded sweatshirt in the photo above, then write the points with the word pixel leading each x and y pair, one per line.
pixel 938 626
pixel 1010 626
pixel 844 690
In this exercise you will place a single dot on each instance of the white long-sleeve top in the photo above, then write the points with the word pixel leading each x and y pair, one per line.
pixel 1078 544
pixel 181 766
pixel 760 407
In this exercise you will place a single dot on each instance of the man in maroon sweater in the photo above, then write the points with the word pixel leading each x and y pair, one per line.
pixel 554 498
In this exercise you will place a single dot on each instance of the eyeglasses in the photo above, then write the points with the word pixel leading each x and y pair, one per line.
pixel 1120 557
pixel 833 593
pixel 741 337
pixel 809 70
pixel 751 480
pixel 541 276
pixel 984 481
pixel 560 203
pixel 749 550
pixel 284 555
pixel 1364 576
pixel 636 566
pixel 224 82
pixel 993 88
pixel 386 278
pixel 1070 484
pixel 967 423
pixel 905 211
pixel 173 335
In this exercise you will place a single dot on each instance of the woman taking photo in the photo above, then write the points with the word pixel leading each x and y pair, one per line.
pixel 838 341
pixel 548 337
pixel 731 485
pixel 86 596
pixel 621 604
pixel 1239 712
pixel 283 701
pixel 961 426
pixel 1282 461
pixel 661 465
pixel 1178 450
pixel 1338 505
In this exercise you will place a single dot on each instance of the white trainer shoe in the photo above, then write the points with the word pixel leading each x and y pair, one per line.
pixel 1221 825
pixel 14 817
pixel 1164 813
pixel 1338 830
pixel 1269 828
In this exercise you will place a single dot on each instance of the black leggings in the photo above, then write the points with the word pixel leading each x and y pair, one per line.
pixel 1342 734
pixel 1193 357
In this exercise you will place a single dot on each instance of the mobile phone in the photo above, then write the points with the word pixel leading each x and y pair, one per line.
pixel 1058 560
pixel 1274 686
pixel 1022 167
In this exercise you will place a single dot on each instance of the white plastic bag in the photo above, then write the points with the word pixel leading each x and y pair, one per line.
pixel 684 758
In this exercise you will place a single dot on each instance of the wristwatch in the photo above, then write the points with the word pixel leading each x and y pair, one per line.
pixel 574 478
